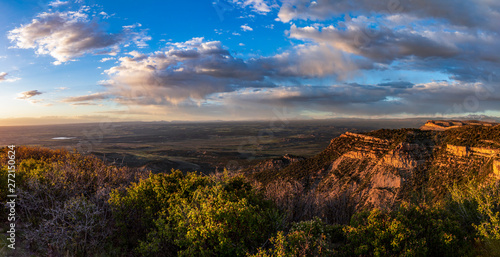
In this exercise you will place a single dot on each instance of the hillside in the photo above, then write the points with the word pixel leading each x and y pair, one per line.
pixel 384 167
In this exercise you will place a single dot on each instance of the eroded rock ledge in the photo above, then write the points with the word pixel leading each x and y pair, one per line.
pixel 442 125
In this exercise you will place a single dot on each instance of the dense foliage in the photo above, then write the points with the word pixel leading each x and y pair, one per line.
pixel 408 231
pixel 194 215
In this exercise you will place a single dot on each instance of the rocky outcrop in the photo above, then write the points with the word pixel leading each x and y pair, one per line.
pixel 376 169
pixel 360 155
pixel 379 172
pixel 441 125
pixel 406 156
pixel 460 151
pixel 365 138
pixel 276 164
pixel 485 152
pixel 465 151
pixel 496 168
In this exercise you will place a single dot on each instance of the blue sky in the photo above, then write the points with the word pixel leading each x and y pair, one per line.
pixel 86 61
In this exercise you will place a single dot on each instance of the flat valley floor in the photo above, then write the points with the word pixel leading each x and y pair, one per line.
pixel 205 147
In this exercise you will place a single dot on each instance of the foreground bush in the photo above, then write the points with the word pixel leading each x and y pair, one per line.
pixel 305 238
pixel 194 215
pixel 478 206
pixel 62 200
pixel 409 231
pixel 300 204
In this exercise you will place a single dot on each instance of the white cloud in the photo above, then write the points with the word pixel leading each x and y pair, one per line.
pixel 184 72
pixel 2 76
pixel 133 26
pixel 189 72
pixel 462 52
pixel 58 3
pixel 104 15
pixel 270 26
pixel 3 79
pixel 246 28
pixel 311 60
pixel 259 6
pixel 140 39
pixel 86 98
pixel 68 35
pixel 199 77
pixel 463 32
pixel 105 59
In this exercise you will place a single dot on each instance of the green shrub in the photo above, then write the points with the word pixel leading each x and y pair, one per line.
pixel 409 231
pixel 136 209
pixel 305 238
pixel 478 205
pixel 194 215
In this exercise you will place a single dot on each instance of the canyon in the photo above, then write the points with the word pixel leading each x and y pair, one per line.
pixel 382 168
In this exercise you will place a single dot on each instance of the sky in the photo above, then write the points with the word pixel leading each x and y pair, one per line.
pixel 90 61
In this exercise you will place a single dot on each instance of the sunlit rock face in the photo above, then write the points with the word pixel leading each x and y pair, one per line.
pixel 496 168
pixel 441 125
pixel 382 168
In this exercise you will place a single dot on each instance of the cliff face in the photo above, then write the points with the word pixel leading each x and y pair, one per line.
pixel 383 167
pixel 466 151
pixel 276 164
pixel 442 125
pixel 496 168
pixel 376 170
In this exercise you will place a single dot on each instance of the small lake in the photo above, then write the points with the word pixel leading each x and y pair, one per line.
pixel 63 138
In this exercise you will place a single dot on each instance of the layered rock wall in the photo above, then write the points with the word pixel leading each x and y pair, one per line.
pixel 465 151
pixel 496 168
pixel 365 137
pixel 441 125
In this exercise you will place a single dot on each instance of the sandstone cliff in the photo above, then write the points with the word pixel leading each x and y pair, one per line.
pixel 441 125
pixel 383 167
pixel 496 167
pixel 277 163
pixel 375 169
